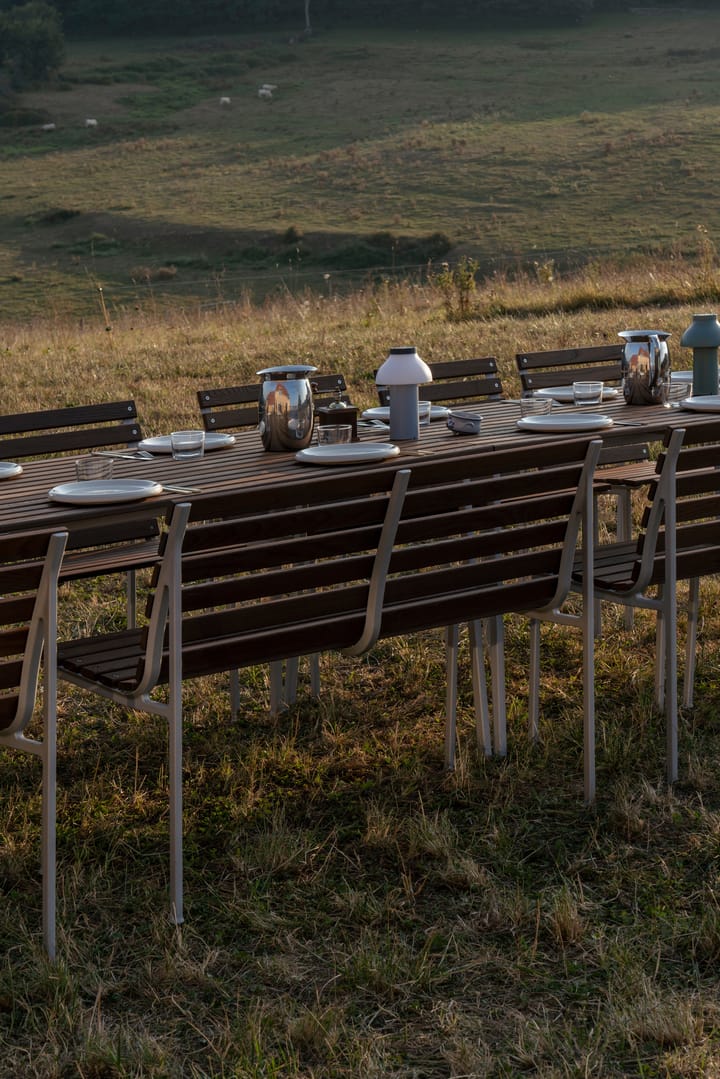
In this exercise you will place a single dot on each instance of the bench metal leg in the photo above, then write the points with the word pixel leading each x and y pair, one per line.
pixel 494 630
pixel 534 674
pixel 131 593
pixel 691 642
pixel 452 636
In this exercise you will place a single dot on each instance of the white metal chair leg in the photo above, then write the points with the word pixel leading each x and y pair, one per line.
pixel 691 642
pixel 624 533
pixel 660 654
pixel 479 684
pixel 534 689
pixel 452 636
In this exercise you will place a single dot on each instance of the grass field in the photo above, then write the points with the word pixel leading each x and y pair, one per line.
pixel 352 911
pixel 378 149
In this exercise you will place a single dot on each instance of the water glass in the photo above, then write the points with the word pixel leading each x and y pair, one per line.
pixel 535 406
pixel 187 445
pixel 94 467
pixel 587 393
pixel 333 434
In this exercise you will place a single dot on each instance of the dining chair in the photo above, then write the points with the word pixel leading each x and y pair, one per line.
pixel 673 540
pixel 249 581
pixel 457 382
pixel 487 536
pixel 227 407
pixel 624 467
pixel 128 547
pixel 29 570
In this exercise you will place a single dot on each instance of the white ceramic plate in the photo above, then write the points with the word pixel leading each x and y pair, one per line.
pixel 99 492
pixel 8 469
pixel 382 412
pixel 353 453
pixel 214 440
pixel 565 421
pixel 710 403
pixel 564 394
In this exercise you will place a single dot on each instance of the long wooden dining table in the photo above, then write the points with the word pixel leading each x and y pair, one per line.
pixel 246 465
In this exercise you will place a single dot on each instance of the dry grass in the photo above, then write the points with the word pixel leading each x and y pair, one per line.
pixel 352 910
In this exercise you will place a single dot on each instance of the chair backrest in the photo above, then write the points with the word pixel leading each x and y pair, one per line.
pixel 458 380
pixel 237 406
pixel 697 503
pixel 29 568
pixel 488 535
pixel 335 562
pixel 67 430
pixel 478 535
pixel 563 366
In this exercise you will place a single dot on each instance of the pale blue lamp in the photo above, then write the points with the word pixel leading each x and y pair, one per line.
pixel 402 373
pixel 703 337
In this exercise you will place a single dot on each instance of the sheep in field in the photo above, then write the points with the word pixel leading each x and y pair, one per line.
pixel 91 123
pixel 264 92
pixel 224 101
pixel 48 127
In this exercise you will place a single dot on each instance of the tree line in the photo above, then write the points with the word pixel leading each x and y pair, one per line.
pixel 32 31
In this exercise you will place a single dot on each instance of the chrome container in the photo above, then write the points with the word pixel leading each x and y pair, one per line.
pixel 646 367
pixel 285 408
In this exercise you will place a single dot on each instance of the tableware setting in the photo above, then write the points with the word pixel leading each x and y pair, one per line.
pixel 565 422
pixel 703 403
pixel 214 440
pixel 564 394
pixel 463 423
pixel 104 491
pixel 8 469
pixel 427 413
pixel 348 453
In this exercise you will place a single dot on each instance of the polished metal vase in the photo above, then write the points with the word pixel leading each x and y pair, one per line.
pixel 646 367
pixel 285 407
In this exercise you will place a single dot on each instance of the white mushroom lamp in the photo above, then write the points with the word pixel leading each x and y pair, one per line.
pixel 402 373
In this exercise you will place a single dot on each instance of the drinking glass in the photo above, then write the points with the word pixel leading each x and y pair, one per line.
pixel 587 393
pixel 535 406
pixel 93 467
pixel 333 434
pixel 187 444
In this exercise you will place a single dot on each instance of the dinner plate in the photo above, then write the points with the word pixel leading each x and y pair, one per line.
pixel 348 453
pixel 565 421
pixel 99 492
pixel 709 403
pixel 214 440
pixel 382 412
pixel 564 394
pixel 8 469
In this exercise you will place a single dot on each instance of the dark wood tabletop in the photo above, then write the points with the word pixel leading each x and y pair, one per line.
pixel 24 502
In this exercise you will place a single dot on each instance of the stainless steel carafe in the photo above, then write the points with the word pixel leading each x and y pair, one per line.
pixel 646 367
pixel 285 408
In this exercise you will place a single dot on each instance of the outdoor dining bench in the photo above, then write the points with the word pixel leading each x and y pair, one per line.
pixel 335 562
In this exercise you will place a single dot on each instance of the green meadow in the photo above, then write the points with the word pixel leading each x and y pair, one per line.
pixel 379 152
pixel 354 911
